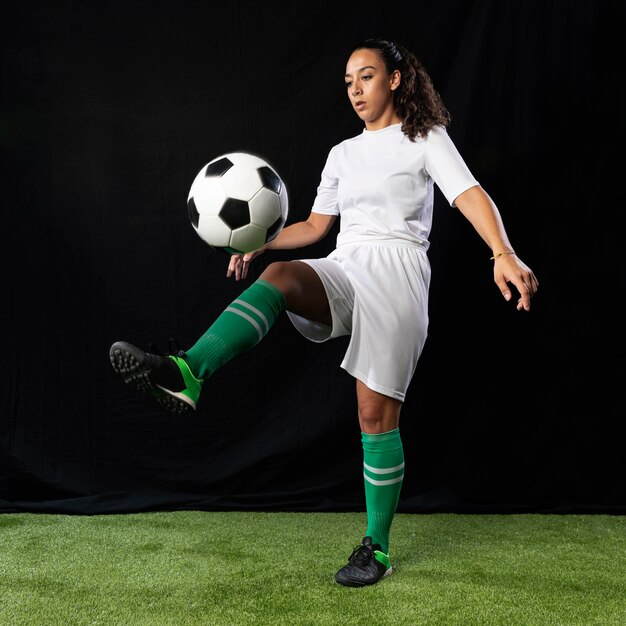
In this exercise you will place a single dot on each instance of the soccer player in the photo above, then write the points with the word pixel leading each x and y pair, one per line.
pixel 373 286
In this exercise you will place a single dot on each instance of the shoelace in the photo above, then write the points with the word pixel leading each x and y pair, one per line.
pixel 173 346
pixel 361 554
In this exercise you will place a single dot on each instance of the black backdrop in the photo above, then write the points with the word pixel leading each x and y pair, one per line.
pixel 108 112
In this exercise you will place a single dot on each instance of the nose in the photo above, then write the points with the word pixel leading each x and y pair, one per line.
pixel 355 91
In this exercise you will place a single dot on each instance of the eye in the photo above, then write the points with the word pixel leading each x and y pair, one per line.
pixel 348 84
pixel 364 77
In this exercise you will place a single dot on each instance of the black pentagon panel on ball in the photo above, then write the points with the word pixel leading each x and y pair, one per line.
pixel 194 216
pixel 235 213
pixel 270 179
pixel 219 167
pixel 274 228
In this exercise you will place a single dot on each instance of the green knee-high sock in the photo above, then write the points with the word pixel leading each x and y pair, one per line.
pixel 383 471
pixel 239 327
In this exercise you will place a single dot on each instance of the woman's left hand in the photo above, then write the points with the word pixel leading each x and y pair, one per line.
pixel 509 269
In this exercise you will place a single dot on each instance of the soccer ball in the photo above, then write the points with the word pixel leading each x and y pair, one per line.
pixel 237 203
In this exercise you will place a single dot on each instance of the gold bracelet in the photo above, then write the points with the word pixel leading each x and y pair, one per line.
pixel 497 254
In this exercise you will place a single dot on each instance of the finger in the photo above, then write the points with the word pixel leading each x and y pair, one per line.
pixel 535 283
pixel 246 264
pixel 524 292
pixel 523 305
pixel 528 281
pixel 231 266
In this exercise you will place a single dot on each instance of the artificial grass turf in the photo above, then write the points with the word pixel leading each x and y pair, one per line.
pixel 191 567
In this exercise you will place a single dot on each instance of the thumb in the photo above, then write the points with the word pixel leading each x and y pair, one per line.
pixel 504 287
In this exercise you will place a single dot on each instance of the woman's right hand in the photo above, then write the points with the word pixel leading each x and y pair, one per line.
pixel 239 263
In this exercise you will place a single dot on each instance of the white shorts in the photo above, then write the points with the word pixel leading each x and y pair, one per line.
pixel 378 294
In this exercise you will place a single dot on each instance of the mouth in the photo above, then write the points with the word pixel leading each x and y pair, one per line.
pixel 359 104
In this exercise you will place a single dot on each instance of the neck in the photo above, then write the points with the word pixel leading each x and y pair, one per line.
pixel 386 119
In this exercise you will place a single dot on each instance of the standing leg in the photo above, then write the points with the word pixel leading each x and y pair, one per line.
pixel 383 471
pixel 383 460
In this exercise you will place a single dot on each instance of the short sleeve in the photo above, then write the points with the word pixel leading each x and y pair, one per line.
pixel 326 199
pixel 445 165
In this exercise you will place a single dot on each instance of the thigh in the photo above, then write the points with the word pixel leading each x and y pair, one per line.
pixel 390 318
pixel 303 289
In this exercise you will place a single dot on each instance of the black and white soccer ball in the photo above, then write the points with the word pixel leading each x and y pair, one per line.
pixel 237 203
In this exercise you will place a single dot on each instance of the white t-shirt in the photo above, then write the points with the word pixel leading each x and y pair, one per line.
pixel 381 184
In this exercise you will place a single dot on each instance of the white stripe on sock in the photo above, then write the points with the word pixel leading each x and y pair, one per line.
pixel 249 306
pixel 382 483
pixel 246 316
pixel 386 470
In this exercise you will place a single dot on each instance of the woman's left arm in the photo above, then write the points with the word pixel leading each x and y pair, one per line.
pixel 476 205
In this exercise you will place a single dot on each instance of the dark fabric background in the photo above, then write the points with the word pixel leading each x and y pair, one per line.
pixel 108 112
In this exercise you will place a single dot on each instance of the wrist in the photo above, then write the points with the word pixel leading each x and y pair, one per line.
pixel 500 253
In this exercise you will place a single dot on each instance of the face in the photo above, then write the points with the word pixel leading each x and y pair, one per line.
pixel 370 88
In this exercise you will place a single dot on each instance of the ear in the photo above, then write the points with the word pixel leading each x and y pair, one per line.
pixel 394 81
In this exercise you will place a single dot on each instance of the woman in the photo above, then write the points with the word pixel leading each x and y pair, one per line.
pixel 373 286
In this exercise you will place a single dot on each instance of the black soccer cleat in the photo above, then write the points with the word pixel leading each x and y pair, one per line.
pixel 166 377
pixel 367 565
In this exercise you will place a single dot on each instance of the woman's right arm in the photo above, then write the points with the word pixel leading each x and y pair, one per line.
pixel 297 235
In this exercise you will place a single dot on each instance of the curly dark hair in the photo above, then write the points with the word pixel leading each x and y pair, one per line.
pixel 417 102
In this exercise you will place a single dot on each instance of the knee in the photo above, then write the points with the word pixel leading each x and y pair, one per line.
pixel 375 419
pixel 371 422
pixel 283 275
pixel 277 273
pixel 274 270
